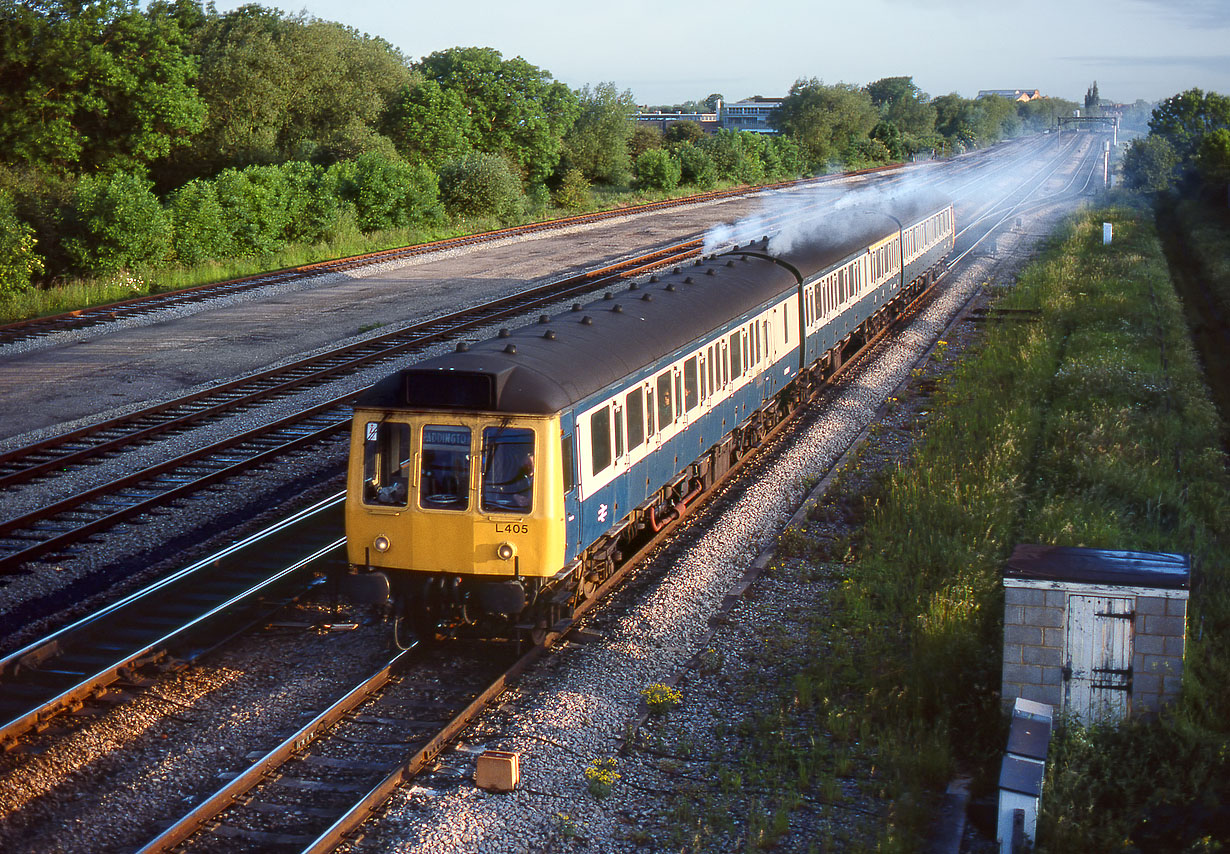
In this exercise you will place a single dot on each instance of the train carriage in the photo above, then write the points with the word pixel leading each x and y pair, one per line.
pixel 496 485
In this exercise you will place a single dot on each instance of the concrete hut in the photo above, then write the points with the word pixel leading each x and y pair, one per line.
pixel 1097 634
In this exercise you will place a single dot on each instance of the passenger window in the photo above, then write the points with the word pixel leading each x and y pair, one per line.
pixel 691 387
pixel 665 412
pixel 600 438
pixel 712 364
pixel 736 350
pixel 508 470
pixel 756 327
pixel 444 476
pixel 704 389
pixel 678 397
pixel 636 418
pixel 386 464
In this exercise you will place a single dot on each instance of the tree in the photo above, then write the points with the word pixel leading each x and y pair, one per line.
pixel 645 137
pixel 597 142
pixel 656 169
pixel 1092 101
pixel 253 208
pixel 968 123
pixel 711 102
pixel 281 88
pixel 1149 164
pixel 1213 158
pixel 1185 118
pixel 680 133
pixel 736 155
pixel 93 85
pixel 516 109
pixel 825 120
pixel 905 106
pixel 429 124
pixel 1043 113
pixel 889 135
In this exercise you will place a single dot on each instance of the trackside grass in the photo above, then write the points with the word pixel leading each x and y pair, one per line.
pixel 1090 427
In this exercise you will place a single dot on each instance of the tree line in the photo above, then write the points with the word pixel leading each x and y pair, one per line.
pixel 1187 147
pixel 176 134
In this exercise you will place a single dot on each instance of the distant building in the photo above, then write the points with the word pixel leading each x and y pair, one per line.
pixel 709 122
pixel 751 114
pixel 1011 94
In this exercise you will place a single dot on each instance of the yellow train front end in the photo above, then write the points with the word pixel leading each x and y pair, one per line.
pixel 454 517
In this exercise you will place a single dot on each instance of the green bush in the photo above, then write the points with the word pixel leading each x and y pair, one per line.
pixel 200 230
pixel 313 204
pixel 481 185
pixel 253 208
pixel 736 155
pixel 696 167
pixel 656 169
pixel 387 192
pixel 115 222
pixel 19 263
pixel 573 191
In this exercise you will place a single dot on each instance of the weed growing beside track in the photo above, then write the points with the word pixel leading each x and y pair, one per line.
pixel 1089 426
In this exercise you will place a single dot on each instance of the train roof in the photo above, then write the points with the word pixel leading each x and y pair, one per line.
pixel 549 366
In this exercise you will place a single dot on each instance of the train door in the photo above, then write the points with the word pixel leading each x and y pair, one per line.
pixel 570 481
pixel 621 461
pixel 652 429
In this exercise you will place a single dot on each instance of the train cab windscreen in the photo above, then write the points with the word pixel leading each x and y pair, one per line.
pixel 386 463
pixel 444 478
pixel 508 470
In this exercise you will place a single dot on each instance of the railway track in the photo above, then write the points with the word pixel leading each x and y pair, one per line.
pixel 269 821
pixel 48 530
pixel 51 531
pixel 174 620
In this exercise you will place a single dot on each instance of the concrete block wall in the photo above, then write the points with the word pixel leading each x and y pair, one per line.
pixel 1034 622
pixel 1157 652
pixel 1034 655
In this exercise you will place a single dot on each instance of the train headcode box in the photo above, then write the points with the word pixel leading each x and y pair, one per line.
pixel 1096 633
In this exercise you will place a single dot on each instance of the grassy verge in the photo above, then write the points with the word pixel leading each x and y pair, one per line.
pixel 1198 248
pixel 84 293
pixel 1090 427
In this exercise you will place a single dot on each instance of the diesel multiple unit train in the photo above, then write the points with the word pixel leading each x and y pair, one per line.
pixel 498 485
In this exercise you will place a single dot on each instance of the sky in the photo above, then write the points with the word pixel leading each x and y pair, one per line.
pixel 670 51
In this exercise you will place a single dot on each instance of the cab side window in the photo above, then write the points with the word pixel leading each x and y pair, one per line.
pixel 386 464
